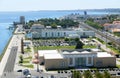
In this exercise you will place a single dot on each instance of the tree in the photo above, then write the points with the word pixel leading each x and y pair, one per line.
pixel 77 40
pixel 76 74
pixel 98 75
pixel 54 25
pixel 66 39
pixel 79 45
pixel 21 59
pixel 107 74
pixel 22 46
pixel 87 74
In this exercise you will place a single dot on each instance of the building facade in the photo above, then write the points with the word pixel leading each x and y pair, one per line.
pixel 38 32
pixel 62 59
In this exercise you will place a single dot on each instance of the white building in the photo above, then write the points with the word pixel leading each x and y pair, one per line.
pixel 59 33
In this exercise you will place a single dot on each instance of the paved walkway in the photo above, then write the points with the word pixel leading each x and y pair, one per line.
pixel 15 41
pixel 11 60
pixel 103 46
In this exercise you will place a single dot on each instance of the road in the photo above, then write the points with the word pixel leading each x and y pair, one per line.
pixel 103 34
pixel 11 59
pixel 35 74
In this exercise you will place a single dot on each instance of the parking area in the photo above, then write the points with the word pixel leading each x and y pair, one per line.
pixel 53 42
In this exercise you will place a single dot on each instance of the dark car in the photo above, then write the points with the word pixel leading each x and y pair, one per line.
pixel 19 70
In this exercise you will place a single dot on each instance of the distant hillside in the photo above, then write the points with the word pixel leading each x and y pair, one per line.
pixel 117 10
pixel 105 10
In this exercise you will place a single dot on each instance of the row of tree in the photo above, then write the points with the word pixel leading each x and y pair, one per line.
pixel 54 22
pixel 88 74
pixel 94 24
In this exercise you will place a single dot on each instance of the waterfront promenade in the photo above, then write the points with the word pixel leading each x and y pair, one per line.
pixel 10 54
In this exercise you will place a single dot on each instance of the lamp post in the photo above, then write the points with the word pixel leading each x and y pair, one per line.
pixel 36 59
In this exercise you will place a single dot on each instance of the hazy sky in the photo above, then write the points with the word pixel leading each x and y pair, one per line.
pixel 33 5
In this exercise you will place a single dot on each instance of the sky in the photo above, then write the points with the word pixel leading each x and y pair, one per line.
pixel 35 5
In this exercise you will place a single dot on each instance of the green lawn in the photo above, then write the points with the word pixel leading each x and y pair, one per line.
pixel 30 57
pixel 27 50
pixel 114 49
pixel 29 66
pixel 25 61
pixel 53 47
pixel 117 34
pixel 118 66
pixel 60 47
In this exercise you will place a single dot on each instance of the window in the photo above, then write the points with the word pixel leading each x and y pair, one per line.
pixel 46 34
pixel 52 34
pixel 89 60
pixel 84 34
pixel 70 61
pixel 64 33
pixel 58 34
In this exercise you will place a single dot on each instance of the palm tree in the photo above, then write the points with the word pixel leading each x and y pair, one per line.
pixel 76 74
pixel 107 74
pixel 87 74
pixel 98 75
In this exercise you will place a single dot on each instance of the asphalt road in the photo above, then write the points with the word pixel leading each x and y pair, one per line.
pixel 11 60
pixel 35 74
pixel 110 38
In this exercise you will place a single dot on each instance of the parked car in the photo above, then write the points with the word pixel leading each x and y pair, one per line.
pixel 19 70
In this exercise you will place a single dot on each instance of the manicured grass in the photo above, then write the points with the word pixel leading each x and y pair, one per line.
pixel 117 34
pixel 29 66
pixel 114 49
pixel 118 66
pixel 53 47
pixel 60 47
pixel 89 46
pixel 30 57
pixel 100 40
pixel 25 61
pixel 27 50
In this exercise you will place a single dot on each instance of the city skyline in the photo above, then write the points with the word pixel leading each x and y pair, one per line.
pixel 35 5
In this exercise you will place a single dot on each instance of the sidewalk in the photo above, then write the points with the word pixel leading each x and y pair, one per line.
pixel 15 41
pixel 7 53
pixel 103 46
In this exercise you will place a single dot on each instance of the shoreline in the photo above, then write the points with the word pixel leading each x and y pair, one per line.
pixel 6 46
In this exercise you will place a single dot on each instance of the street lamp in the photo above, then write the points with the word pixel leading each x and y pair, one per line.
pixel 36 59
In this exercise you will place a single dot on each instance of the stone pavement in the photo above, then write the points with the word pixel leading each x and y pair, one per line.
pixel 15 41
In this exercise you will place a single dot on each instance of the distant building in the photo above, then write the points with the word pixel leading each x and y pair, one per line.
pixel 60 59
pixel 114 27
pixel 22 20
pixel 60 32
pixel 85 13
